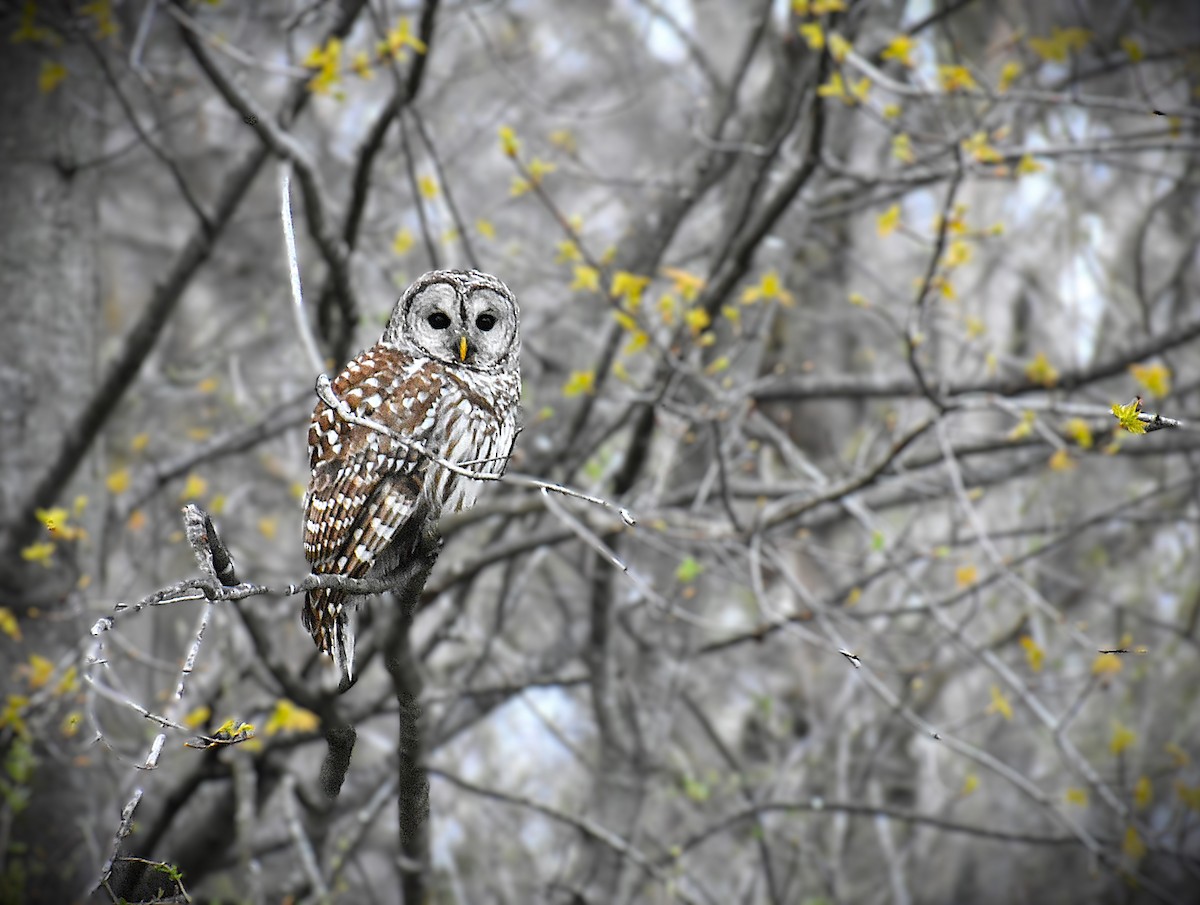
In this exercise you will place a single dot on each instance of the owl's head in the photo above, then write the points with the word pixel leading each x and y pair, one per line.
pixel 464 318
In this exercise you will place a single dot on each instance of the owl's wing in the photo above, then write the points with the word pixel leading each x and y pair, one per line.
pixel 366 489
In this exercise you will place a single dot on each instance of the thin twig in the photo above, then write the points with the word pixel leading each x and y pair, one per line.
pixel 289 244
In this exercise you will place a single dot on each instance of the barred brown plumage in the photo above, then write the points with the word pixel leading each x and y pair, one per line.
pixel 445 374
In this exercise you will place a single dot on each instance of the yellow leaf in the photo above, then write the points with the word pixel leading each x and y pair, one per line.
pixel 900 49
pixel 207 385
pixel 626 321
pixel 858 300
pixel 1122 738
pixel 9 624
pixel 1024 427
pixel 1133 847
pixel 567 251
pixel 1077 796
pixel 980 149
pixel 233 728
pixel 327 61
pixel 29 32
pixel 628 286
pixel 587 279
pixel 69 683
pixel 70 724
pixel 39 671
pixel 139 443
pixel 217 504
pixel 958 253
pixel 508 141
pixel 1132 49
pixel 1061 42
pixel 688 285
pixel 137 520
pixel 1106 665
pixel 1143 791
pixel 1127 416
pixel 53 518
pixel 1077 429
pixel 835 87
pixel 769 287
pixel 838 47
pixel 100 11
pixel 362 66
pixel 428 187
pixel 1033 653
pixel 1189 795
pixel 193 488
pixel 965 576
pixel 1154 379
pixel 403 241
pixel 1040 371
pixel 975 327
pixel 956 78
pixel 1027 165
pixel 197 717
pixel 39 552
pixel 399 37
pixel 1010 72
pixel 51 75
pixel 697 320
pixel 1179 757
pixel 825 7
pixel 1061 460
pixel 814 35
pixel 580 383
pixel 56 521
pixel 539 168
pixel 291 717
pixel 902 148
pixel 970 784
pixel 485 229
pixel 854 596
pixel 563 138
pixel 268 527
pixel 667 307
pixel 887 222
pixel 1000 704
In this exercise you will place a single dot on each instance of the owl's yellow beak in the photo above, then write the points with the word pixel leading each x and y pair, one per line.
pixel 462 348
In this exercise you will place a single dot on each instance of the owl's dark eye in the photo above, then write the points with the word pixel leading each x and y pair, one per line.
pixel 439 320
pixel 485 322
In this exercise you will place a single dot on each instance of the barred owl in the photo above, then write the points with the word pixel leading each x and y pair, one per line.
pixel 445 374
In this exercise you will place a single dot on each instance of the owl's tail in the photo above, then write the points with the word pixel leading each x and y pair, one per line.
pixel 325 617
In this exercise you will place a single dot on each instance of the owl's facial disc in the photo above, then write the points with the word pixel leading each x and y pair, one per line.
pixel 460 319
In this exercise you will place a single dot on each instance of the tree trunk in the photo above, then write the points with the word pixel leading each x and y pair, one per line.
pixel 49 304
